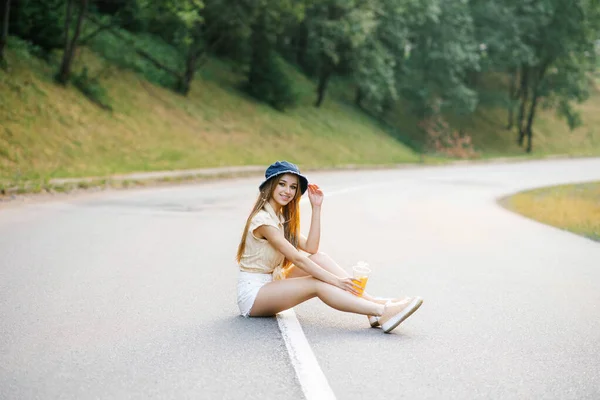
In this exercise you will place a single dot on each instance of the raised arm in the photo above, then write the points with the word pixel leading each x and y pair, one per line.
pixel 275 237
pixel 310 244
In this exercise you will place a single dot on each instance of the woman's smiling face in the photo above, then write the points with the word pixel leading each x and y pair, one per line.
pixel 285 189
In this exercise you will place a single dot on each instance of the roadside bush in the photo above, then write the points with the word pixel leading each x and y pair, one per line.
pixel 26 50
pixel 444 140
pixel 39 22
pixel 268 83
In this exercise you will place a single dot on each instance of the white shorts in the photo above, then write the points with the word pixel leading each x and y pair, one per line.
pixel 249 283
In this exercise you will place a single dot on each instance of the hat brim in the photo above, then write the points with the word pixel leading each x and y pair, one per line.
pixel 303 180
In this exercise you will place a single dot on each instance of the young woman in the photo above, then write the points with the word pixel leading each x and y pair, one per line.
pixel 275 276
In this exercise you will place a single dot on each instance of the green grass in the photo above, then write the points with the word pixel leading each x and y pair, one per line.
pixel 491 138
pixel 551 135
pixel 575 208
pixel 119 53
pixel 48 131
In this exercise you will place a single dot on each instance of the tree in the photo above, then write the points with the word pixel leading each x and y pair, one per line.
pixel 4 19
pixel 189 37
pixel 191 62
pixel 40 22
pixel 266 80
pixel 563 41
pixel 374 76
pixel 374 62
pixel 340 27
pixel 441 51
pixel 499 27
pixel 178 22
pixel 542 46
pixel 64 73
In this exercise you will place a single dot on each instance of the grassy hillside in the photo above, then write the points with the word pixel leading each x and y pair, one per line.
pixel 48 131
pixel 487 128
pixel 551 135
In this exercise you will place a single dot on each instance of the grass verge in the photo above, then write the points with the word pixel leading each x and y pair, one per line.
pixel 47 131
pixel 575 208
pixel 46 187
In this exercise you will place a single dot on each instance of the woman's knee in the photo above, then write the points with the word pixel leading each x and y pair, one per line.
pixel 307 285
pixel 314 284
pixel 321 287
pixel 310 285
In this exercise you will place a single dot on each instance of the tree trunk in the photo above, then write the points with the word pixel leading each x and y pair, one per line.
pixel 191 62
pixel 302 45
pixel 388 102
pixel 323 81
pixel 536 94
pixel 530 121
pixel 358 97
pixel 524 98
pixel 513 94
pixel 4 32
pixel 326 65
pixel 261 51
pixel 190 70
pixel 64 74
pixel 66 29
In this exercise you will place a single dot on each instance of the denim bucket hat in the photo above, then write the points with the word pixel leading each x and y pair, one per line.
pixel 285 167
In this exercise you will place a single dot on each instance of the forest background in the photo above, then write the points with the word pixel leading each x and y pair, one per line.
pixel 100 87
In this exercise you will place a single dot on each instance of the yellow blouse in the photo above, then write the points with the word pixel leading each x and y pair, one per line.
pixel 259 256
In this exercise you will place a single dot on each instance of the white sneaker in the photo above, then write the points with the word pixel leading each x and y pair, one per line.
pixel 373 319
pixel 395 313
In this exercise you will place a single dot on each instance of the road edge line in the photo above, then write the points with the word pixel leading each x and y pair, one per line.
pixel 313 382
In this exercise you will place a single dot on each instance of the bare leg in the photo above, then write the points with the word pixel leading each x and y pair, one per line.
pixel 327 263
pixel 281 295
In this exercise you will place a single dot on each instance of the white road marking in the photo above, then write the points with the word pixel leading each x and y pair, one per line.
pixel 346 190
pixel 312 380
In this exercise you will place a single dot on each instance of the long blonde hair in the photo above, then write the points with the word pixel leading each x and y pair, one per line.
pixel 290 212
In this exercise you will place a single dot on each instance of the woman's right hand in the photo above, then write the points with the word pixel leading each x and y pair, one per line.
pixel 350 285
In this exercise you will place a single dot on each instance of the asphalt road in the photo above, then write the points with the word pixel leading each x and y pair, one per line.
pixel 127 295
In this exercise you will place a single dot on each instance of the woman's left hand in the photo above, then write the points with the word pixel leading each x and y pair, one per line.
pixel 350 285
pixel 315 194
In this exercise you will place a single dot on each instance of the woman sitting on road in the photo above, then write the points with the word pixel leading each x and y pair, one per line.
pixel 275 276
